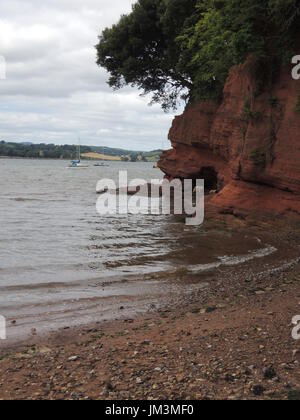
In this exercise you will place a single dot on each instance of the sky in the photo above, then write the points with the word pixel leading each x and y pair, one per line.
pixel 55 93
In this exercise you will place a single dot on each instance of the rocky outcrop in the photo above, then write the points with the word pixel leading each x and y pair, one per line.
pixel 247 147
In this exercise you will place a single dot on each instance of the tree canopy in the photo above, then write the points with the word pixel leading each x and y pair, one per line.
pixel 184 49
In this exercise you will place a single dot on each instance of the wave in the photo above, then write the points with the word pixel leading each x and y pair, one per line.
pixel 232 260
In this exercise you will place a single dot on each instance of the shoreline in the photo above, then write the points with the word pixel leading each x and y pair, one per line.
pixel 130 295
pixel 231 340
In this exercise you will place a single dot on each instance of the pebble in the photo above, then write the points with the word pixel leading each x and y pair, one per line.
pixel 73 358
pixel 269 373
pixel 258 390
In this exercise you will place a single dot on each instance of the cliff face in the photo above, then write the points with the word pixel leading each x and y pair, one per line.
pixel 247 147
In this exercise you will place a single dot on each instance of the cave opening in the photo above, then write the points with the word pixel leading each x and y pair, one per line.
pixel 210 176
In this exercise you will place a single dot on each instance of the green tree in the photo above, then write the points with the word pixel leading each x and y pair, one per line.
pixel 185 48
pixel 134 157
pixel 141 49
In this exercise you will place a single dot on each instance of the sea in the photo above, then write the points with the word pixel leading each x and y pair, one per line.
pixel 62 264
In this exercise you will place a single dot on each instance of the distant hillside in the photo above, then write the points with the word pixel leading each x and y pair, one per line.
pixel 134 155
pixel 99 156
pixel 153 156
pixel 69 152
pixel 113 152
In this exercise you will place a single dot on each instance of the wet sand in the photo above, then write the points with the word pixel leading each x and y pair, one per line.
pixel 227 338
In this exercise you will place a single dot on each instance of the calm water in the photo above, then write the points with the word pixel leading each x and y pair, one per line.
pixel 63 264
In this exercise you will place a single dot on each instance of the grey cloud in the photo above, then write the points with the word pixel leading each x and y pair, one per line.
pixel 54 91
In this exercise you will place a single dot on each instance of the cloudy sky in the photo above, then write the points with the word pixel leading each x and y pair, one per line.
pixel 54 92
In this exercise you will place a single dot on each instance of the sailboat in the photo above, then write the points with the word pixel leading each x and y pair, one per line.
pixel 103 163
pixel 76 164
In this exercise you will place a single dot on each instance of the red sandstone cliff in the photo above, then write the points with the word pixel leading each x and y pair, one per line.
pixel 247 147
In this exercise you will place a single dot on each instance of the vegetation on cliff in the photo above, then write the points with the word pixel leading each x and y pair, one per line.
pixel 184 49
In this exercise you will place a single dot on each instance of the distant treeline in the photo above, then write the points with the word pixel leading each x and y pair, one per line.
pixel 46 151
pixel 52 151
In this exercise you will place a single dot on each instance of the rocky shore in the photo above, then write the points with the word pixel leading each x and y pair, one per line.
pixel 231 340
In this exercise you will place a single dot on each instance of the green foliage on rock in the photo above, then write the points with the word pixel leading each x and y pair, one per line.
pixel 249 114
pixel 185 48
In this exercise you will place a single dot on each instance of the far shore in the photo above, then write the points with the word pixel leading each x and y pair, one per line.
pixel 68 160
